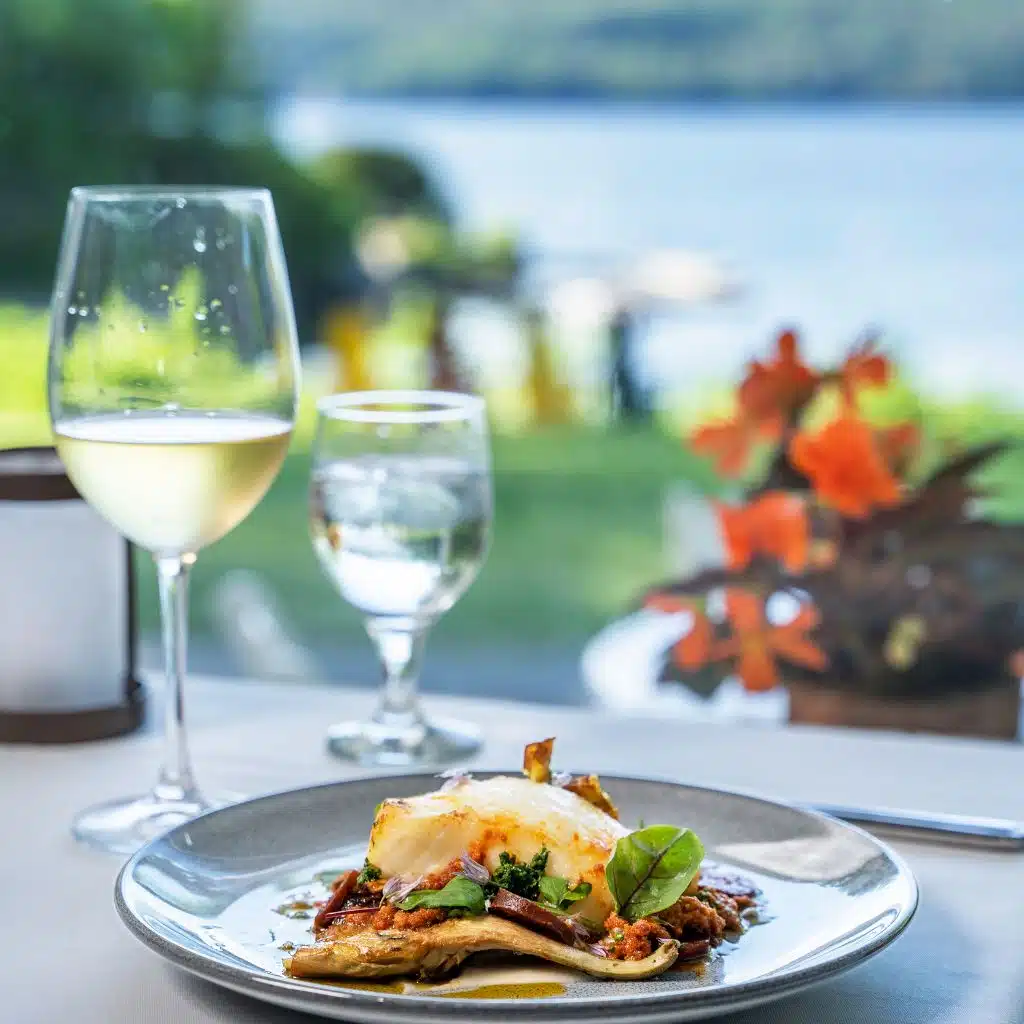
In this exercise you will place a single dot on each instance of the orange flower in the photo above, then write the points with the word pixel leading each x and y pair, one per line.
pixel 755 643
pixel 774 524
pixel 768 396
pixel 779 386
pixel 865 366
pixel 727 442
pixel 898 444
pixel 845 467
pixel 694 649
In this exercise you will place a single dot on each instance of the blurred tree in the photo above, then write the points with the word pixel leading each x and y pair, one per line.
pixel 387 184
pixel 81 84
pixel 159 92
pixel 318 227
pixel 414 254
pixel 386 187
pixel 135 91
pixel 450 265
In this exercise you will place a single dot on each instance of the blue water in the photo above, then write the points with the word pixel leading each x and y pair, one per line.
pixel 836 219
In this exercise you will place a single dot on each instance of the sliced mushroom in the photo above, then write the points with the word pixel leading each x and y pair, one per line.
pixel 430 952
pixel 342 886
pixel 696 950
pixel 532 915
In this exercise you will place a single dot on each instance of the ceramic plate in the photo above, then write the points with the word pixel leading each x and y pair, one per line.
pixel 216 897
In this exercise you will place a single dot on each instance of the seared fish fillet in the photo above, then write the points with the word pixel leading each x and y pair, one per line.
pixel 418 835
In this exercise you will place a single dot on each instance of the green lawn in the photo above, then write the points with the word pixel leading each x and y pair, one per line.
pixel 577 535
pixel 578 513
pixel 577 529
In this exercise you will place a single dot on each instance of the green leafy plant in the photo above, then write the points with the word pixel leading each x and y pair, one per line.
pixel 652 868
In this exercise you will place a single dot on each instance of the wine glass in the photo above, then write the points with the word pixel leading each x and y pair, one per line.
pixel 400 503
pixel 173 381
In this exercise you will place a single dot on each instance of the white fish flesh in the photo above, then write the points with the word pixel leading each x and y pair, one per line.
pixel 418 835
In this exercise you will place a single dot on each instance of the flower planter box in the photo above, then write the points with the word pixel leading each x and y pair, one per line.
pixel 863 566
pixel 993 713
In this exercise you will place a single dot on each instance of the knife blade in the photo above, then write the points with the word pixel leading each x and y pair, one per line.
pixel 956 829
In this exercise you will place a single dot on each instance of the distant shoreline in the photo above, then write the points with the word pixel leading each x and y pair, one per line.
pixel 719 105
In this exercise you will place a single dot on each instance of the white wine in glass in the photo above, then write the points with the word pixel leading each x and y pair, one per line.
pixel 173 482
pixel 173 386
pixel 400 510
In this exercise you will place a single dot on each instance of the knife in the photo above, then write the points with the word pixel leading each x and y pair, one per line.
pixel 956 829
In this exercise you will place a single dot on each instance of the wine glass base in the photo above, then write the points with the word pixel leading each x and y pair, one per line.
pixel 422 744
pixel 122 826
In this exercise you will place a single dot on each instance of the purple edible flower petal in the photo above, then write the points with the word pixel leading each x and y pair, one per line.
pixel 397 888
pixel 454 777
pixel 473 870
pixel 583 932
pixel 598 950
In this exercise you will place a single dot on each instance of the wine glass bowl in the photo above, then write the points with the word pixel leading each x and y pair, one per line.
pixel 401 507
pixel 173 384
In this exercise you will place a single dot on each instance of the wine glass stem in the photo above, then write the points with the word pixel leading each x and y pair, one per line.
pixel 175 782
pixel 400 652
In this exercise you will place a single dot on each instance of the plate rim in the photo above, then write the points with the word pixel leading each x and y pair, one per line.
pixel 258 983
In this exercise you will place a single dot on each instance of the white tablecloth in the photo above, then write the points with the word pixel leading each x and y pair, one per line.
pixel 66 959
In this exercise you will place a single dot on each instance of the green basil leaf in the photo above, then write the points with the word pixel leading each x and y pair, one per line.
pixel 459 894
pixel 650 869
pixel 555 892
pixel 552 890
pixel 578 892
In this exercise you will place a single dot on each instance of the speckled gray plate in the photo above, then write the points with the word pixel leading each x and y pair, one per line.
pixel 208 896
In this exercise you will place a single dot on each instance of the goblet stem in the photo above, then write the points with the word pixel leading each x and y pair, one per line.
pixel 122 826
pixel 176 782
pixel 399 735
pixel 401 652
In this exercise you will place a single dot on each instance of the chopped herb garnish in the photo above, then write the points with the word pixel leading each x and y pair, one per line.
pixel 370 873
pixel 521 879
